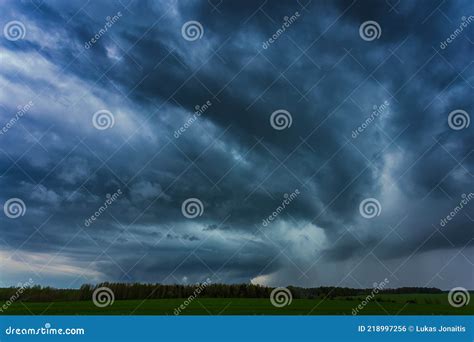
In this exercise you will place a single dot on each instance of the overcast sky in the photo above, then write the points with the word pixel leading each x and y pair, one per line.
pixel 338 112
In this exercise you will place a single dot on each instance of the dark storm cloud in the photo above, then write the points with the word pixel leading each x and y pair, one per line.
pixel 230 157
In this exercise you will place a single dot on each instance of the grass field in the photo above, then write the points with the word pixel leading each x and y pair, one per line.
pixel 416 304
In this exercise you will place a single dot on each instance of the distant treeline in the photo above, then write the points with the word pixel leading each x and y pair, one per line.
pixel 158 291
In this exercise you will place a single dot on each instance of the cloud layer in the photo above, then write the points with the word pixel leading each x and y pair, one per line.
pixel 189 115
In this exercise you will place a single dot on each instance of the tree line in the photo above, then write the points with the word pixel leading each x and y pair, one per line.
pixel 123 291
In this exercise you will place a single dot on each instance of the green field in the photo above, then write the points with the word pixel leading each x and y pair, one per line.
pixel 416 304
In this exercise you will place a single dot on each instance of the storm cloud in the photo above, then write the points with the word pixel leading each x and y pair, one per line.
pixel 114 114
